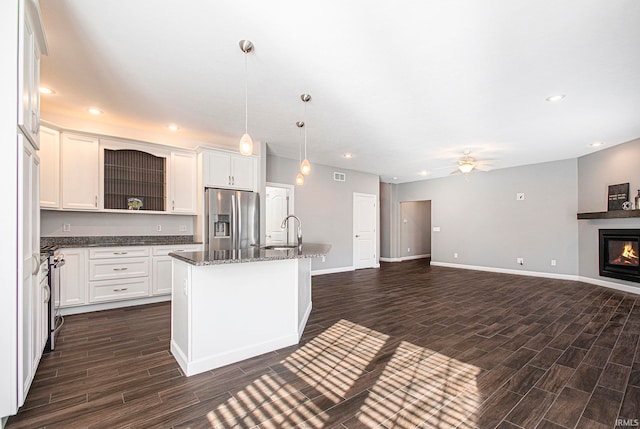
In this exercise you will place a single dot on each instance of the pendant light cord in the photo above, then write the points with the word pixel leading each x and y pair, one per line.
pixel 305 130
pixel 246 97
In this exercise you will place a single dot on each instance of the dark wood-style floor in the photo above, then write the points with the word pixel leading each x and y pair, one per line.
pixel 404 346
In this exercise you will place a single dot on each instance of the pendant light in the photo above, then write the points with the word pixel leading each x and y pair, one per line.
pixel 246 144
pixel 300 176
pixel 305 166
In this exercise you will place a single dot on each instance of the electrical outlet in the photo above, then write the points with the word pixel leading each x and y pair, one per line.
pixel 408 249
pixel 520 261
pixel 66 227
pixel 158 227
pixel 553 262
pixel 455 255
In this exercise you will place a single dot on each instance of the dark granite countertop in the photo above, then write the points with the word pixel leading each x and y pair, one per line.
pixel 253 254
pixel 53 243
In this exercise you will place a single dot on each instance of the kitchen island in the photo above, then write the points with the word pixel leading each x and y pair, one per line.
pixel 230 305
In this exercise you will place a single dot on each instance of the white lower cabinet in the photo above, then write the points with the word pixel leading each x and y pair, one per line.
pixel 115 290
pixel 73 278
pixel 161 266
pixel 104 274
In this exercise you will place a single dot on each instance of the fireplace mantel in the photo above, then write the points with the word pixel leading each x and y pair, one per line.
pixel 614 214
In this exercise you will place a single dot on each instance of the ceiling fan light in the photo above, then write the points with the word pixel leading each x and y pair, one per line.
pixel 299 179
pixel 466 167
pixel 246 144
pixel 305 167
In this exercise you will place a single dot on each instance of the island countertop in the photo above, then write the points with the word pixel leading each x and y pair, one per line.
pixel 253 254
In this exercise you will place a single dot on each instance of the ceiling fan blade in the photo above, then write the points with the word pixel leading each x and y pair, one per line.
pixel 483 168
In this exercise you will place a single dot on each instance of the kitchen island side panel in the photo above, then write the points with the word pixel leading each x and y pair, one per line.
pixel 233 311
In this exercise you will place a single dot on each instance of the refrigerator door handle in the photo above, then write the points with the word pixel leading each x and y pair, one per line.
pixel 234 222
pixel 240 220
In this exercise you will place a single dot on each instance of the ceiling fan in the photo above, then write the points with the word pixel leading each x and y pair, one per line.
pixel 467 164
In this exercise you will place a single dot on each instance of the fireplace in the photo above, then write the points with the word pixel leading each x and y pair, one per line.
pixel 619 254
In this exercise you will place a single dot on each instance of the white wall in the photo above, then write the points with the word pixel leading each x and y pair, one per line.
pixel 596 171
pixel 482 222
pixel 110 224
pixel 325 206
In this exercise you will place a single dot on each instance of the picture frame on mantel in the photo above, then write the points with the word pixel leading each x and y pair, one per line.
pixel 618 195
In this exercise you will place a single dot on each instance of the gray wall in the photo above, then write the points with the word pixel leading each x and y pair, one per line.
pixel 325 206
pixel 596 171
pixel 415 228
pixel 481 220
pixel 97 224
pixel 385 219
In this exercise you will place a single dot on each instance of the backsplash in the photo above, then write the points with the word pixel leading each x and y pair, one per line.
pixel 81 224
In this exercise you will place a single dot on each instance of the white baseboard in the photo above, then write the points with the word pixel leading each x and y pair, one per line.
pixel 65 311
pixel 597 282
pixel 303 322
pixel 406 258
pixel 206 363
pixel 610 285
pixel 507 271
pixel 332 271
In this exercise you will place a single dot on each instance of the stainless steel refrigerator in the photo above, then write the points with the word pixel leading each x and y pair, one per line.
pixel 232 219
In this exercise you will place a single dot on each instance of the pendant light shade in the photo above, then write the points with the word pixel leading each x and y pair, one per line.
pixel 300 179
pixel 246 143
pixel 305 166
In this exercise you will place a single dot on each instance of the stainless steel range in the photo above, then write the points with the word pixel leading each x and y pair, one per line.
pixel 55 260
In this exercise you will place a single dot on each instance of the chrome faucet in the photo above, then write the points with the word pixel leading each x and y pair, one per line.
pixel 284 225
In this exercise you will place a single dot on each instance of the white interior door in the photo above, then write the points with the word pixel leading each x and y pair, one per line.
pixel 364 230
pixel 279 204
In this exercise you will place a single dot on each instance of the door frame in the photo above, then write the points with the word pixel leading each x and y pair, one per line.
pixel 291 209
pixel 376 261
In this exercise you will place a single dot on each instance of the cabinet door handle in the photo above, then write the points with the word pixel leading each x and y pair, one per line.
pixel 120 290
pixel 120 253
pixel 230 180
pixel 96 203
pixel 47 292
pixel 357 236
pixel 173 205
pixel 120 269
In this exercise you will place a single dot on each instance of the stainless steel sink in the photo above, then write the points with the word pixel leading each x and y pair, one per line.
pixel 280 246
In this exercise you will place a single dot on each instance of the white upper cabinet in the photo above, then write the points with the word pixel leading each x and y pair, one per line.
pixel 49 168
pixel 80 171
pixel 184 177
pixel 32 44
pixel 227 170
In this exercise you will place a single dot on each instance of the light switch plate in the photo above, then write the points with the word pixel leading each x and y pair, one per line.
pixel 520 196
pixel 436 229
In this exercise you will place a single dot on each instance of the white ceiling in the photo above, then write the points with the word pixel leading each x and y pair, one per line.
pixel 406 86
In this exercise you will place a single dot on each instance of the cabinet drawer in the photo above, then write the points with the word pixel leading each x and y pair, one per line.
pixel 113 290
pixel 118 252
pixel 105 269
pixel 165 250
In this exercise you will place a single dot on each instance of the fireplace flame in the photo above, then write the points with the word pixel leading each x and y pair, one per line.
pixel 628 252
pixel 628 256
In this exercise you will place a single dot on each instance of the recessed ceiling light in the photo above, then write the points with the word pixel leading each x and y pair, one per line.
pixel 347 155
pixel 424 173
pixel 555 98
pixel 46 91
pixel 395 177
pixel 597 144
pixel 173 127
pixel 95 111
